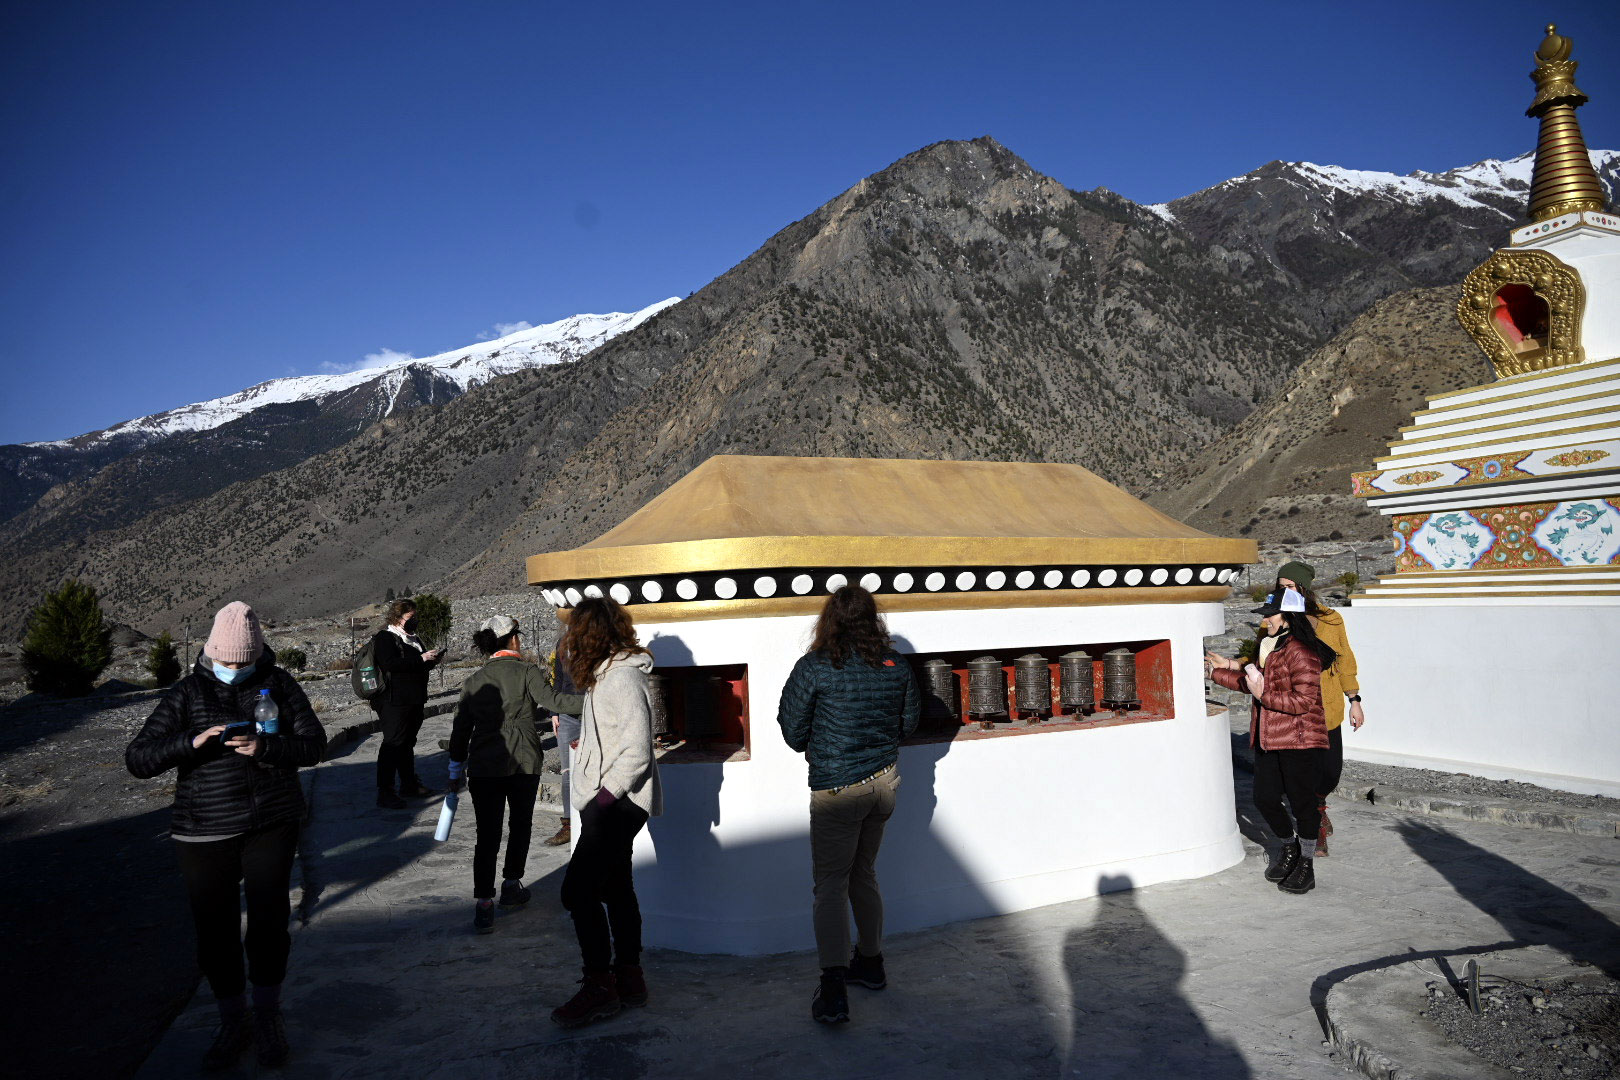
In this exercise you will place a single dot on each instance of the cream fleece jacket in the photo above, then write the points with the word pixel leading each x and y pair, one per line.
pixel 615 737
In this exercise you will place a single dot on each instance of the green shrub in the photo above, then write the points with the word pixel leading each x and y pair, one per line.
pixel 163 660
pixel 68 644
pixel 432 619
pixel 1258 593
pixel 292 659
pixel 1349 579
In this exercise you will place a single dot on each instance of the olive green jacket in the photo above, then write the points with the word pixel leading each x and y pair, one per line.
pixel 497 726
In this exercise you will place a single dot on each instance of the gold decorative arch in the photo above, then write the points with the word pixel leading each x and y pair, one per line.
pixel 1551 279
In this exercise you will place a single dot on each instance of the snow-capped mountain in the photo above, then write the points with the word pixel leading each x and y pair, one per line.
pixel 1329 241
pixel 1498 186
pixel 197 448
pixel 463 369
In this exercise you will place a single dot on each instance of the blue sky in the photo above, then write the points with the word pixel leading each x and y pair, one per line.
pixel 200 196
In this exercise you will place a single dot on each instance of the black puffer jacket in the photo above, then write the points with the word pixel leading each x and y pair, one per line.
pixel 848 721
pixel 220 791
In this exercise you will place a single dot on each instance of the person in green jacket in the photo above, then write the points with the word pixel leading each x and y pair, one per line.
pixel 495 749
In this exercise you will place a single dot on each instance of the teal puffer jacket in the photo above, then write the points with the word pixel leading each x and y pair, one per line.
pixel 848 721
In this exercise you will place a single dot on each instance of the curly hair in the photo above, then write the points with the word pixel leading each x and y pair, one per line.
pixel 397 610
pixel 597 629
pixel 849 625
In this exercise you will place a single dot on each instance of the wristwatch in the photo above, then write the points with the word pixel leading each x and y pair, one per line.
pixel 1354 697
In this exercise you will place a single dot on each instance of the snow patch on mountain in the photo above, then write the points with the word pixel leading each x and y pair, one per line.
pixel 1479 186
pixel 473 365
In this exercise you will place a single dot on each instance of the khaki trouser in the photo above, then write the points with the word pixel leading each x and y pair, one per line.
pixel 846 829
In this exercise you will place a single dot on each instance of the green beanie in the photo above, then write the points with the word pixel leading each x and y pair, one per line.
pixel 1297 572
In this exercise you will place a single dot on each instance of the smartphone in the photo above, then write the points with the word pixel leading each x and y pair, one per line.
pixel 241 727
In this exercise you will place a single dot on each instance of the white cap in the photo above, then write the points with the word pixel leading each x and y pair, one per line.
pixel 505 625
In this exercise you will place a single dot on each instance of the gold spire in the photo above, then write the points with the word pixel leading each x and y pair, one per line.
pixel 1564 180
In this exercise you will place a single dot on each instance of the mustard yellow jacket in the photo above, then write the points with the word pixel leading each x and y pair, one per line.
pixel 1340 679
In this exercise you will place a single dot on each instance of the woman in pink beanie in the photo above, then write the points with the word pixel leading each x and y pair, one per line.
pixel 237 806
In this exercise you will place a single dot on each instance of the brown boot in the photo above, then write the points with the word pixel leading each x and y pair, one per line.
pixel 632 984
pixel 598 999
pixel 1325 831
pixel 564 833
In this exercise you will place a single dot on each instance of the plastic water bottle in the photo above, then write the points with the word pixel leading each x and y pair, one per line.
pixel 447 815
pixel 266 717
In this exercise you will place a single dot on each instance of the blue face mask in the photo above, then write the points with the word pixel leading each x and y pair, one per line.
pixel 229 675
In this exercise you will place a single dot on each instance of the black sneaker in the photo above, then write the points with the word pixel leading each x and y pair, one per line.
pixel 867 971
pixel 831 1003
pixel 270 1037
pixel 513 894
pixel 387 800
pixel 234 1036
pixel 484 917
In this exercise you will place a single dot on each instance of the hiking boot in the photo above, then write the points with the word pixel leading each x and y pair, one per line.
pixel 1321 846
pixel 234 1036
pixel 1282 861
pixel 387 800
pixel 513 894
pixel 597 999
pixel 632 984
pixel 1301 879
pixel 564 833
pixel 831 1003
pixel 1327 826
pixel 270 1036
pixel 867 971
pixel 484 917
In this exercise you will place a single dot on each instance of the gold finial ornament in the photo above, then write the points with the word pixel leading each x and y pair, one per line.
pixel 1564 180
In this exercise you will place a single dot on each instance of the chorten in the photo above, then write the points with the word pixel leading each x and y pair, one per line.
pixel 1055 626
pixel 1495 638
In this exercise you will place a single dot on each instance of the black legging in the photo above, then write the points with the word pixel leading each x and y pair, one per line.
pixel 400 725
pixel 216 872
pixel 492 797
pixel 1296 774
pixel 1332 761
pixel 599 876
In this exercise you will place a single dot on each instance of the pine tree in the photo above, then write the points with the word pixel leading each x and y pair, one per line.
pixel 432 619
pixel 390 596
pixel 69 643
pixel 163 660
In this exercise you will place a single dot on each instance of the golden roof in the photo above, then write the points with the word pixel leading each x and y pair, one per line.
pixel 737 512
pixel 1564 180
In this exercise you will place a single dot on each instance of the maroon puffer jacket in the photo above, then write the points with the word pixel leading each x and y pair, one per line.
pixel 1289 715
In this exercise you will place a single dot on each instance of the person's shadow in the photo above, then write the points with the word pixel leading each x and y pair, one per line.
pixel 1129 1018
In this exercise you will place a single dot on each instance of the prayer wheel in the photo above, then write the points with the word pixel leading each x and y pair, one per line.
pixel 1078 695
pixel 658 691
pixel 987 688
pixel 942 693
pixel 1119 680
pixel 1032 686
pixel 704 693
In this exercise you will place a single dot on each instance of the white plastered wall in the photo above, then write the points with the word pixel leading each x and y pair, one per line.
pixel 1522 692
pixel 983 827
pixel 1595 255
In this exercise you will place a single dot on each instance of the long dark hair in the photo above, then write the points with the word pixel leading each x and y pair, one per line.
pixel 1299 625
pixel 485 641
pixel 849 625
pixel 597 629
pixel 1313 606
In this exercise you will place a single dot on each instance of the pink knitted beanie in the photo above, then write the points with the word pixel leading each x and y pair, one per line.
pixel 236 637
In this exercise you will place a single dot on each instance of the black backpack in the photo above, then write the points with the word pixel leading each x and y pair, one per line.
pixel 368 679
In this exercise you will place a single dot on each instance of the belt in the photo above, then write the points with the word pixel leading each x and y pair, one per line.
pixel 889 768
